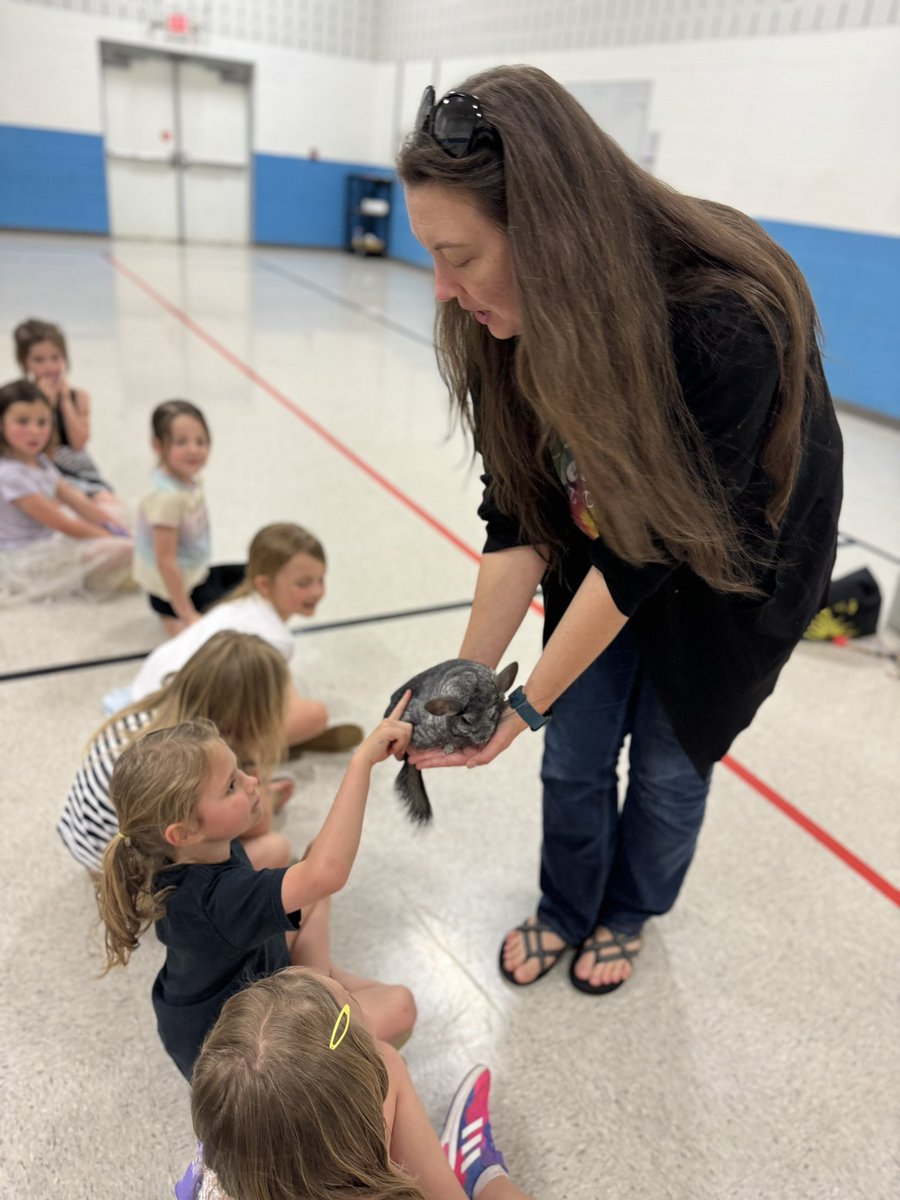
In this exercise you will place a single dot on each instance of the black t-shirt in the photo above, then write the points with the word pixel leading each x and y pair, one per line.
pixel 224 926
pixel 713 658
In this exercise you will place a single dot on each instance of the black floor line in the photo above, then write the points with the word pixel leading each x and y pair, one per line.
pixel 88 663
pixel 344 302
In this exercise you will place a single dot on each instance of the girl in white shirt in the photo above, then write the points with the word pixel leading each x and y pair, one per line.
pixel 285 578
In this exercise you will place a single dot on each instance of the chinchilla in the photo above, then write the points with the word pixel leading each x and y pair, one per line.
pixel 455 704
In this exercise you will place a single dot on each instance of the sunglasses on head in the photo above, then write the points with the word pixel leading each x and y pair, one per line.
pixel 456 123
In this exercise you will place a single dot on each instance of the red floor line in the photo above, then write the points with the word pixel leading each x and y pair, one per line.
pixel 816 831
pixel 821 835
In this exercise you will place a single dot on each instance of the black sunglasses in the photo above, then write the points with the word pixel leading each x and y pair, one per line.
pixel 457 123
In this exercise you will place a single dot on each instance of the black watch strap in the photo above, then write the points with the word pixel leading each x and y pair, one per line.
pixel 532 718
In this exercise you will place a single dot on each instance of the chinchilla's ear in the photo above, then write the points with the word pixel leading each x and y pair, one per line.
pixel 506 677
pixel 443 706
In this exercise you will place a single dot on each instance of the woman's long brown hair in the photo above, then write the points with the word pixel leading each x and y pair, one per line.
pixel 282 1115
pixel 601 253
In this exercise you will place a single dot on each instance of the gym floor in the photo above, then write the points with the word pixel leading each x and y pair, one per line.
pixel 754 1051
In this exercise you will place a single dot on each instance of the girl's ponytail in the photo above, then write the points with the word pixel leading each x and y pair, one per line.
pixel 156 783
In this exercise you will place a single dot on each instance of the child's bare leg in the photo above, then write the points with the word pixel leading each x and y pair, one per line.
pixel 172 625
pixel 310 946
pixel 415 1145
pixel 389 1009
pixel 110 563
pixel 268 850
pixel 305 719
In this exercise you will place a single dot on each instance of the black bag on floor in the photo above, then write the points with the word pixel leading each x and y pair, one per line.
pixel 854 603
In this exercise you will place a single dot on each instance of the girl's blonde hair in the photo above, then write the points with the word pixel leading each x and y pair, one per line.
pixel 155 783
pixel 272 547
pixel 279 1113
pixel 237 681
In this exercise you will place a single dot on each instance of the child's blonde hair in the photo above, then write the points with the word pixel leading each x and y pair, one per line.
pixel 239 682
pixel 155 783
pixel 282 1115
pixel 272 547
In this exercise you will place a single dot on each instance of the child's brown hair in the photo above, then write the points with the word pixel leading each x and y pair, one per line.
pixel 21 391
pixel 163 418
pixel 27 334
pixel 155 783
pixel 281 1114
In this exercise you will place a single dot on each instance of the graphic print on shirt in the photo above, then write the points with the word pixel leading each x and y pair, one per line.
pixel 576 488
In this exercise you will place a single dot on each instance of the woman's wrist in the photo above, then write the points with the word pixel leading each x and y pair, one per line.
pixel 533 718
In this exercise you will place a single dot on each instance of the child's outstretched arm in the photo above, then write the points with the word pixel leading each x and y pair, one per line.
pixel 326 867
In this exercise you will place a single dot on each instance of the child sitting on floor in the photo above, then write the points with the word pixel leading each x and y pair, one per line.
pixel 42 354
pixel 173 548
pixel 54 540
pixel 177 863
pixel 237 681
pixel 285 578
pixel 292 1096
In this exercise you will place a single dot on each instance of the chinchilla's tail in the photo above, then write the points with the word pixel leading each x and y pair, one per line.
pixel 410 787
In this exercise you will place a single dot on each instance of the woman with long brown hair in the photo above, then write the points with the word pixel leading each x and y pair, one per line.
pixel 641 373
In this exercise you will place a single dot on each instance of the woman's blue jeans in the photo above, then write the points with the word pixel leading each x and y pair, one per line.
pixel 600 865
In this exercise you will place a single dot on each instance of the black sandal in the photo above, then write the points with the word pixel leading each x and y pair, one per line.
pixel 533 949
pixel 618 944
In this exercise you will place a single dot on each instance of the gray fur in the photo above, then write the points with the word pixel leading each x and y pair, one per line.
pixel 453 705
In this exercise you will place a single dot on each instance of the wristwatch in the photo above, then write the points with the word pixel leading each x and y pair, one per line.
pixel 532 718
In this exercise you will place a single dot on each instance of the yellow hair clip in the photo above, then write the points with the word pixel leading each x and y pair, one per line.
pixel 336 1038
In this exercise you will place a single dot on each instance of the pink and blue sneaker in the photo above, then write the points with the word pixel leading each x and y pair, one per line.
pixel 466 1137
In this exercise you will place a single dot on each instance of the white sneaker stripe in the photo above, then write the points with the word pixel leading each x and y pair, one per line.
pixel 472 1144
pixel 467 1162
pixel 471 1128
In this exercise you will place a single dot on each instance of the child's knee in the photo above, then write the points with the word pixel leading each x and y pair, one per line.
pixel 403 1003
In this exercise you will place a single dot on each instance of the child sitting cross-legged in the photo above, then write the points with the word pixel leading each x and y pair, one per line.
pixel 292 1096
pixel 235 680
pixel 182 804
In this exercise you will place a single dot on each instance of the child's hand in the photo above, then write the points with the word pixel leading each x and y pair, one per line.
pixel 390 737
pixel 53 385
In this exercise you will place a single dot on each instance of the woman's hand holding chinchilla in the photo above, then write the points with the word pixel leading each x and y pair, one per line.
pixel 508 729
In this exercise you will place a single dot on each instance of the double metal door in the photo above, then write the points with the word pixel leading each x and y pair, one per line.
pixel 177 136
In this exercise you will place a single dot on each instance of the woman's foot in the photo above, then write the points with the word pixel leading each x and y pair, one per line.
pixel 603 962
pixel 530 951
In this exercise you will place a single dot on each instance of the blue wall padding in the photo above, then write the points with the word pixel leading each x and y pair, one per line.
pixel 52 180
pixel 301 201
pixel 855 282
